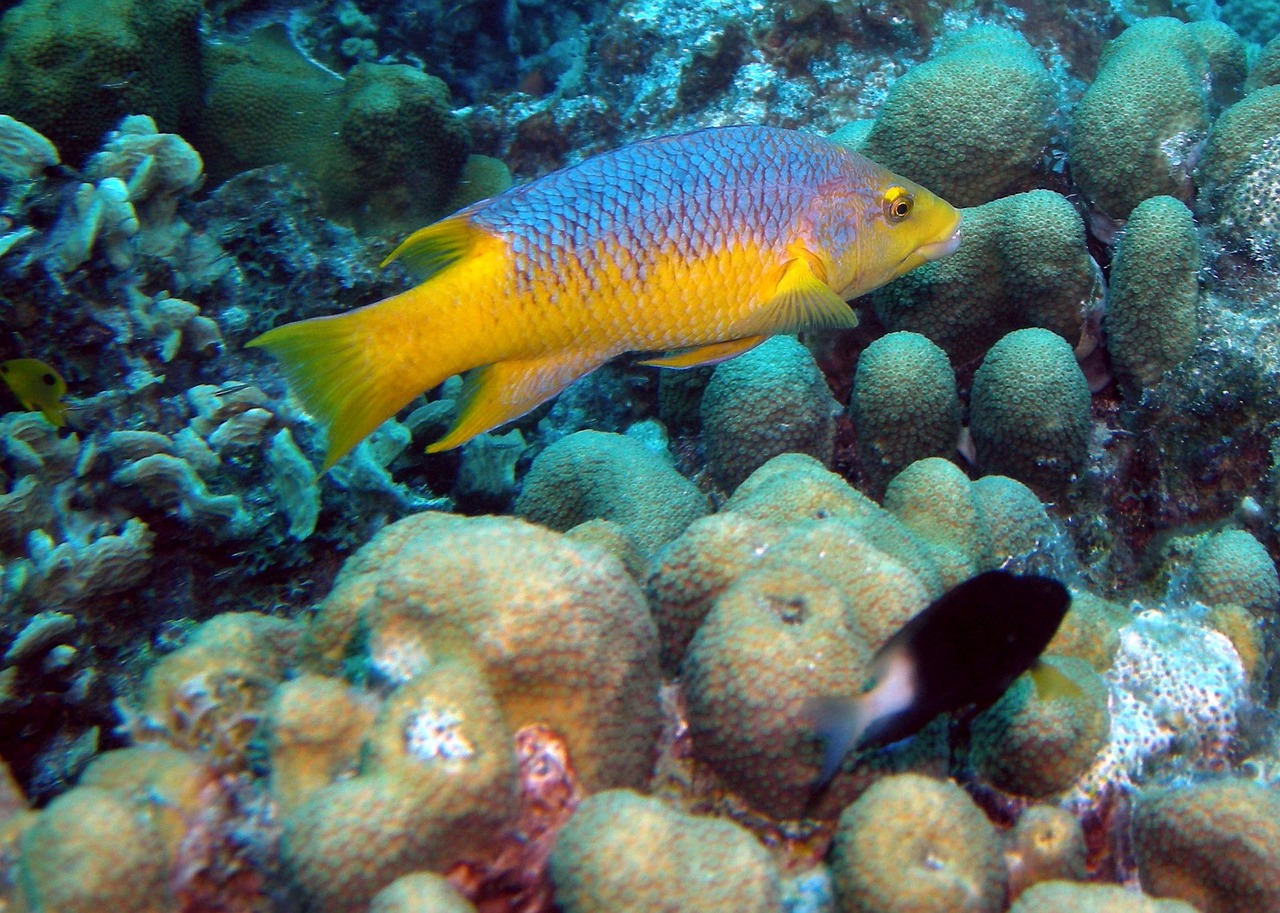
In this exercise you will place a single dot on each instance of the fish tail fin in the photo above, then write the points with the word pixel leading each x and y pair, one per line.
pixel 840 723
pixel 354 371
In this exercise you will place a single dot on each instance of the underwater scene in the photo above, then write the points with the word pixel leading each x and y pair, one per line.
pixel 610 456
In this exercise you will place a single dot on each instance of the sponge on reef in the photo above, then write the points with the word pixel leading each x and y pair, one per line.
pixel 971 123
pixel 1021 263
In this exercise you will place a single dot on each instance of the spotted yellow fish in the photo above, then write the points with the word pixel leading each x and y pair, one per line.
pixel 698 245
pixel 38 387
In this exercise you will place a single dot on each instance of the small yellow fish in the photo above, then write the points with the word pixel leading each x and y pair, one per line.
pixel 38 387
pixel 705 243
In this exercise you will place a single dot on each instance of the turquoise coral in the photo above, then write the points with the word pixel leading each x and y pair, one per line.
pixel 1029 410
pixel 769 401
pixel 904 405
pixel 1151 322
pixel 1233 568
pixel 971 123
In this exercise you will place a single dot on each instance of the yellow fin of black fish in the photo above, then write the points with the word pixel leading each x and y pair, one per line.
pixel 802 301
pixel 508 389
pixel 1052 684
pixel 429 250
pixel 706 355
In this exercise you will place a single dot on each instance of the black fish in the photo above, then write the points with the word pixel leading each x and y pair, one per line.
pixel 962 651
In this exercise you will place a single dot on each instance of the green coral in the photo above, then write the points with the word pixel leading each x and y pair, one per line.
pixel 1234 568
pixel 933 499
pixel 918 844
pixel 904 405
pixel 1228 59
pixel 1022 262
pixel 1151 322
pixel 971 123
pixel 72 69
pixel 1266 69
pixel 1136 126
pixel 1240 176
pixel 1215 845
pixel 1255 20
pixel 593 475
pixel 626 853
pixel 769 401
pixel 1238 134
pixel 1035 741
pixel 382 143
pixel 1029 410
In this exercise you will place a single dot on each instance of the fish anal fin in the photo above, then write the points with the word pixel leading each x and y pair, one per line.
pixel 801 300
pixel 1052 684
pixel 429 250
pixel 711 354
pixel 506 390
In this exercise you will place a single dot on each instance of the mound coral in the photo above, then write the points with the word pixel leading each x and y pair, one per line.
pixel 1136 126
pixel 1266 69
pixel 420 892
pixel 904 405
pixel 971 123
pixel 1037 741
pixel 914 843
pixel 1046 843
pixel 1022 262
pixel 769 401
pixel 1073 897
pixel 1151 322
pixel 1232 567
pixel 1029 410
pixel 593 475
pixel 560 630
pixel 1215 845
pixel 72 69
pixel 626 853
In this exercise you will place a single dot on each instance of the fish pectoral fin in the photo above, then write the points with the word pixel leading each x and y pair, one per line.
pixel 507 390
pixel 1052 684
pixel 802 301
pixel 706 355
pixel 429 250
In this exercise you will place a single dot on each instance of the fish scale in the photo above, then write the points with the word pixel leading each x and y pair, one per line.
pixel 701 243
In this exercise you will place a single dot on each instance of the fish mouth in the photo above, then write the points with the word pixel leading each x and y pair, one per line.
pixel 939 249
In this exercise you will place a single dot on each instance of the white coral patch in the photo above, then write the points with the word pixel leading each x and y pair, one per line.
pixel 436 732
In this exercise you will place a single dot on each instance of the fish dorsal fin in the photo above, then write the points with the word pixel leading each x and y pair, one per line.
pixel 802 300
pixel 706 355
pixel 429 250
pixel 1052 684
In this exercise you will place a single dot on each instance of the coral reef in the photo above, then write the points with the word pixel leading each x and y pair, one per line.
pixel 1022 262
pixel 1046 843
pixel 627 852
pixel 1070 897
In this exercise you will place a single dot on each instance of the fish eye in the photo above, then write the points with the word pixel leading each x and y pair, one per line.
pixel 897 204
pixel 49 379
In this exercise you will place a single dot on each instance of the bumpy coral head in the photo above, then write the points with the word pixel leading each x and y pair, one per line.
pixel 880 225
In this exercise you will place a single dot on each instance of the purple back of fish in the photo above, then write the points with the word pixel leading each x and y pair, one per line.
pixel 704 190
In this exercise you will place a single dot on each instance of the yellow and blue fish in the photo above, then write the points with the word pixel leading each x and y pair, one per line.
pixel 38 387
pixel 700 245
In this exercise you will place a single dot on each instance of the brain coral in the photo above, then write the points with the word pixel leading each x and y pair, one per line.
pixel 904 405
pixel 593 475
pixel 1022 262
pixel 1029 410
pixel 626 853
pixel 1036 742
pixel 972 122
pixel 918 844
pixel 72 68
pixel 769 401
pixel 1151 321
pixel 1215 845
pixel 1136 126
pixel 561 630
